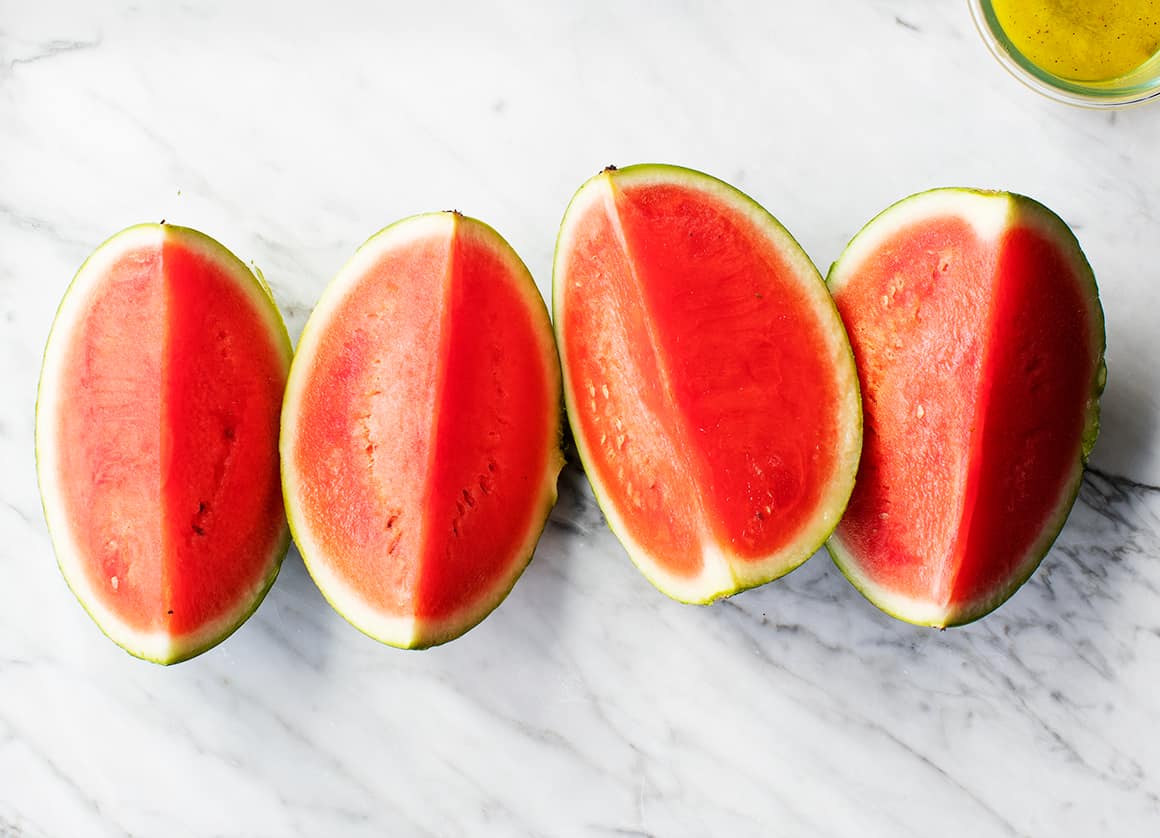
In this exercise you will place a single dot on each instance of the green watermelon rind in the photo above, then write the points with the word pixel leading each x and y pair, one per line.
pixel 426 634
pixel 1022 208
pixel 219 630
pixel 790 248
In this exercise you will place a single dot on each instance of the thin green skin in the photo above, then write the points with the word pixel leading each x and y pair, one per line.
pixel 282 338
pixel 453 629
pixel 687 174
pixel 979 609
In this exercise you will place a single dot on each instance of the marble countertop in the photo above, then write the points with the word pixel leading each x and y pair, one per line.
pixel 588 704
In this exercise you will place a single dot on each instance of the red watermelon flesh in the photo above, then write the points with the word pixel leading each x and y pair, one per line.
pixel 978 334
pixel 421 430
pixel 709 383
pixel 157 428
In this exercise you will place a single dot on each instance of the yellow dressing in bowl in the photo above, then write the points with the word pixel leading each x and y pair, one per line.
pixel 1082 40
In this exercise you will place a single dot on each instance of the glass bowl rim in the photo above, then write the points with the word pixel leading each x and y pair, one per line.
pixel 1090 95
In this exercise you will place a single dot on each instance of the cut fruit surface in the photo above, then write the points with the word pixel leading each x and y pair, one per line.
pixel 157 440
pixel 421 430
pixel 708 379
pixel 978 333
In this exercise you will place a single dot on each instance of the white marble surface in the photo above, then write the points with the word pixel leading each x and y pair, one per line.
pixel 588 704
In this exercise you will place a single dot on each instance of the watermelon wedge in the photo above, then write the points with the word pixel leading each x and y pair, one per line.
pixel 708 379
pixel 421 430
pixel 979 336
pixel 157 440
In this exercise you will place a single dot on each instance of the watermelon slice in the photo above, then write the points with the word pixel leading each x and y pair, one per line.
pixel 157 440
pixel 421 430
pixel 710 386
pixel 979 337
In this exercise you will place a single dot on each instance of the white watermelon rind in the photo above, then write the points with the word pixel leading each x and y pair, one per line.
pixel 156 647
pixel 723 575
pixel 1011 207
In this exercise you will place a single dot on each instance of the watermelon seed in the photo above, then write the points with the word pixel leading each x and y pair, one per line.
pixel 114 582
pixel 468 498
pixel 920 412
pixel 202 508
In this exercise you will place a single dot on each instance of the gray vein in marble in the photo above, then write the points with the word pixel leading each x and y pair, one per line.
pixel 22 514
pixel 1135 775
pixel 180 169
pixel 19 829
pixel 1013 689
pixel 72 787
pixel 546 735
pixel 42 226
pixel 625 832
pixel 847 712
pixel 491 807
pixel 49 50
pixel 333 761
pixel 968 793
pixel 997 818
pixel 346 816
pixel 1120 483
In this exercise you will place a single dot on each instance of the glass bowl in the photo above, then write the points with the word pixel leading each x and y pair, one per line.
pixel 1137 86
